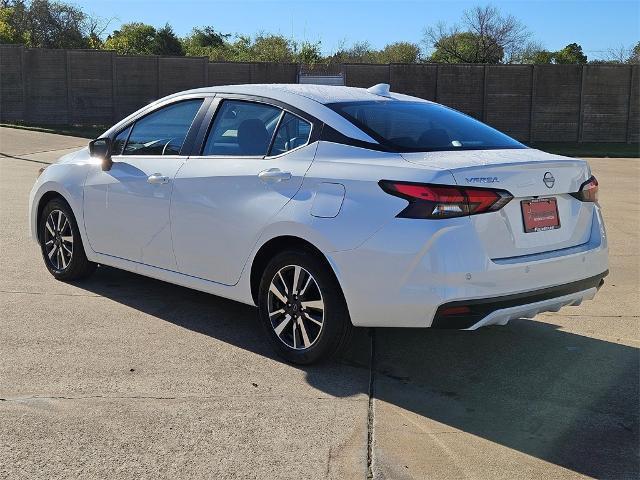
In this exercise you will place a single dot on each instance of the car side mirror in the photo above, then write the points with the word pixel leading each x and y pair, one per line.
pixel 101 148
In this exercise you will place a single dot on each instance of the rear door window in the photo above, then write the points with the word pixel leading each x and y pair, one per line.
pixel 293 132
pixel 242 128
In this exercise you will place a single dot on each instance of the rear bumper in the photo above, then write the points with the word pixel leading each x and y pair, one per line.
pixel 499 310
pixel 410 270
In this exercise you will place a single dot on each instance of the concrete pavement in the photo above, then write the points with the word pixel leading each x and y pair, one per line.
pixel 122 376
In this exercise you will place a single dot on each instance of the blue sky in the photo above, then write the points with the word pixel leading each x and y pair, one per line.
pixel 595 24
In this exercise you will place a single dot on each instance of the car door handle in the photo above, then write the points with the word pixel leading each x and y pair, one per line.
pixel 157 178
pixel 274 175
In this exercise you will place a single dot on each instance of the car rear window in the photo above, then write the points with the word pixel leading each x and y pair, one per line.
pixel 422 127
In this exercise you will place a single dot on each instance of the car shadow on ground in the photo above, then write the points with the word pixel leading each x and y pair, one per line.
pixel 564 398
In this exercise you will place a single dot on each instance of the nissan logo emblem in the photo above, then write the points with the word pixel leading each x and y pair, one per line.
pixel 548 180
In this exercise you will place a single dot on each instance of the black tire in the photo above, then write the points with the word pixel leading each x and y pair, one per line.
pixel 336 325
pixel 74 265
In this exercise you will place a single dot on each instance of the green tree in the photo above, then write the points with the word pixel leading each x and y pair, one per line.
pixel 165 42
pixel 56 25
pixel 359 52
pixel 45 23
pixel 207 37
pixel 206 41
pixel 466 47
pixel 10 31
pixel 533 53
pixel 541 57
pixel 308 53
pixel 571 54
pixel 272 48
pixel 132 38
pixel 400 52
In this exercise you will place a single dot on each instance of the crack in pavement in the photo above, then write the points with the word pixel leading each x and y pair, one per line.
pixel 21 292
pixel 551 315
pixel 13 157
pixel 48 151
pixel 370 411
pixel 158 397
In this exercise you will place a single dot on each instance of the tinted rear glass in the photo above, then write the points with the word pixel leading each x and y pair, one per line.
pixel 422 127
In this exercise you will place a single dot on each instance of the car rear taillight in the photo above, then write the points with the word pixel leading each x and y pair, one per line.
pixel 588 191
pixel 445 201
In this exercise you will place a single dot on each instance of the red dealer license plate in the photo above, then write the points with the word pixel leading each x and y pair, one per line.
pixel 540 214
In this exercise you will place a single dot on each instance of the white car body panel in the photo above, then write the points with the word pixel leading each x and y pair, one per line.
pixel 423 267
pixel 203 228
pixel 122 204
pixel 219 204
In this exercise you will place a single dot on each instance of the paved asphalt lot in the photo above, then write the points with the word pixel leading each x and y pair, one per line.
pixel 121 376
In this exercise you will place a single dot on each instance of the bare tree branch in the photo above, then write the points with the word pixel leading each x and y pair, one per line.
pixel 486 36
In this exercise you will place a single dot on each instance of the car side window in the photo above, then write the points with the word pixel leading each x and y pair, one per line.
pixel 242 128
pixel 293 132
pixel 162 132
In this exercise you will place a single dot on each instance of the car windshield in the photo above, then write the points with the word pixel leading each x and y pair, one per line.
pixel 422 127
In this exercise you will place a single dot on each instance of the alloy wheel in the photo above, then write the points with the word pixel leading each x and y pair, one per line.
pixel 58 240
pixel 296 307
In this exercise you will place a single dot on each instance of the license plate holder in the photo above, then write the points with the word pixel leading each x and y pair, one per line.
pixel 540 214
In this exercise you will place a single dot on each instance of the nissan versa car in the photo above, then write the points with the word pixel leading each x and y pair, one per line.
pixel 327 208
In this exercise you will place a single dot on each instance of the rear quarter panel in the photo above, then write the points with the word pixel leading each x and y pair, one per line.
pixel 366 207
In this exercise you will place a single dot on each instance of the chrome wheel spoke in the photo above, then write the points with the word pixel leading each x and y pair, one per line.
pixel 62 259
pixel 306 285
pixel 58 240
pixel 282 325
pixel 303 331
pixel 293 327
pixel 306 316
pixel 296 279
pixel 295 307
pixel 315 304
pixel 284 284
pixel 49 227
pixel 273 289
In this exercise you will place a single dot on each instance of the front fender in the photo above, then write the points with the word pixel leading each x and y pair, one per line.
pixel 66 180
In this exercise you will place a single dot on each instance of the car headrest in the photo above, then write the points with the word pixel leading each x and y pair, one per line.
pixel 436 137
pixel 253 137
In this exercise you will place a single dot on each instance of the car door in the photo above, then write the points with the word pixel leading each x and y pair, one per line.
pixel 254 158
pixel 126 209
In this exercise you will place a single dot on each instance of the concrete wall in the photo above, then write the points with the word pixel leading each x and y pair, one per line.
pixel 507 99
pixel 12 85
pixel 605 103
pixel 88 87
pixel 135 82
pixel 45 75
pixel 592 103
pixel 533 103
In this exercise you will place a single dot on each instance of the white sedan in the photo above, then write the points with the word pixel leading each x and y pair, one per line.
pixel 327 207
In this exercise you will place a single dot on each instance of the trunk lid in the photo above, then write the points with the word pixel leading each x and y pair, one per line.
pixel 522 173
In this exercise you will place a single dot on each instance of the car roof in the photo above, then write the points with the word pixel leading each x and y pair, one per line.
pixel 319 93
